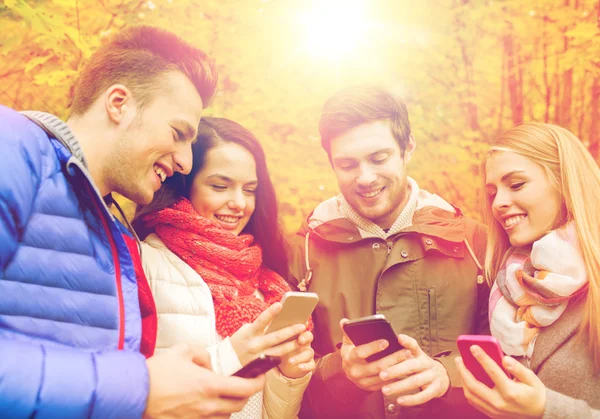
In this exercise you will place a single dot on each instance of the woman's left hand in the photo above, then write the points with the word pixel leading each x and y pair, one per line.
pixel 522 397
pixel 301 361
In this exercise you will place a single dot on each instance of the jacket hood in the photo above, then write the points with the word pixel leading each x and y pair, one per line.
pixel 433 216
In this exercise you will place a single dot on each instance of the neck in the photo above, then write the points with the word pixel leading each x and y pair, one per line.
pixel 95 148
pixel 387 221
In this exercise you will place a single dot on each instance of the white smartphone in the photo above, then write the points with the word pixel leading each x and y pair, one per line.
pixel 297 307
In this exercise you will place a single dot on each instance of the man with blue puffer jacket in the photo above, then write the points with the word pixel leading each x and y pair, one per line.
pixel 70 323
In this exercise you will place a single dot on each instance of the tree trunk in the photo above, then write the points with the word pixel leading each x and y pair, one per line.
pixel 582 108
pixel 502 92
pixel 547 86
pixel 516 102
pixel 565 104
pixel 595 115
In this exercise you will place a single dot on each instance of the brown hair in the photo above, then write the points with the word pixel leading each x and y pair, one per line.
pixel 136 57
pixel 354 106
pixel 264 223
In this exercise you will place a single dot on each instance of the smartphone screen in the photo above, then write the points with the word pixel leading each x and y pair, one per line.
pixel 371 328
pixel 490 345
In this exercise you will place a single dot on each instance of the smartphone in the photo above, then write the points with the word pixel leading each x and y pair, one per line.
pixel 297 307
pixel 259 366
pixel 370 328
pixel 490 345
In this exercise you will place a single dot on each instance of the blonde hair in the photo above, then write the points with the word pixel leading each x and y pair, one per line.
pixel 577 176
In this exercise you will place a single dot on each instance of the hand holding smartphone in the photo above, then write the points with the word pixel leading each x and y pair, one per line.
pixel 371 328
pixel 297 308
pixel 259 366
pixel 489 345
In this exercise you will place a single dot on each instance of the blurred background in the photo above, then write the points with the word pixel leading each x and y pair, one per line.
pixel 468 69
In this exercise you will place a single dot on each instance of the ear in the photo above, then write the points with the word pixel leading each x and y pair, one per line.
pixel 118 101
pixel 410 148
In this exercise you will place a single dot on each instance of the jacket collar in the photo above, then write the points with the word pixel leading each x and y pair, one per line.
pixel 59 130
pixel 433 217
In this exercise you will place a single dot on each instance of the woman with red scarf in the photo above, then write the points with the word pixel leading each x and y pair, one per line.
pixel 214 256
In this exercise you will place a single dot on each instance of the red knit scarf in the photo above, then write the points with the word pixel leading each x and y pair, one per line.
pixel 231 265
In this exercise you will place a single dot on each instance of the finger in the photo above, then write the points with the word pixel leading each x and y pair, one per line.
pixel 237 387
pixel 198 354
pixel 410 344
pixel 389 366
pixel 305 338
pixel 412 384
pixel 280 336
pixel 419 398
pixel 406 368
pixel 308 366
pixel 283 349
pixel 520 372
pixel 476 387
pixel 477 403
pixel 345 339
pixel 362 352
pixel 372 383
pixel 305 354
pixel 265 318
pixel 498 376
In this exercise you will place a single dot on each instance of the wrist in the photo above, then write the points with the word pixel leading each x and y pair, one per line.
pixel 444 378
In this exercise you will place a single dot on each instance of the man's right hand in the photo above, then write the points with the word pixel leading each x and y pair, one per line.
pixel 363 374
pixel 182 385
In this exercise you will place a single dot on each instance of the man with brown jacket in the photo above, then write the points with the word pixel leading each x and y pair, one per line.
pixel 385 246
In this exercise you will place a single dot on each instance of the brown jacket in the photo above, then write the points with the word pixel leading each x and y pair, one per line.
pixel 424 279
pixel 562 361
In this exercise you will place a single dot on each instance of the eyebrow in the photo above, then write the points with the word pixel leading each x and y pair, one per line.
pixel 383 150
pixel 228 179
pixel 506 176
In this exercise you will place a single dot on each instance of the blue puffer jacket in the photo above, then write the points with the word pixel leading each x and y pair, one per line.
pixel 69 313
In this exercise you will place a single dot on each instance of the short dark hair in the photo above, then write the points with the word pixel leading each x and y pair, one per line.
pixel 354 106
pixel 136 57
pixel 264 223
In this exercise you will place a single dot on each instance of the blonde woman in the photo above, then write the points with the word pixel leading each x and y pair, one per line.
pixel 543 257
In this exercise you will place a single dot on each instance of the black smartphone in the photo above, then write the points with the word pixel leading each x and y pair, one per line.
pixel 370 328
pixel 259 366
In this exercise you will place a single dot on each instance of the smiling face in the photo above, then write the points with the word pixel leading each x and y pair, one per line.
pixel 371 171
pixel 156 140
pixel 224 190
pixel 523 199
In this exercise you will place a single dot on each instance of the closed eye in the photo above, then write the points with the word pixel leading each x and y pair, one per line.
pixel 179 135
pixel 219 187
pixel 517 186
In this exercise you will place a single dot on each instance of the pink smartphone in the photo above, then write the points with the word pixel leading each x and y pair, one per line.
pixel 490 345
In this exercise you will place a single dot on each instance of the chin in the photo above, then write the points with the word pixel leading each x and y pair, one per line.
pixel 520 242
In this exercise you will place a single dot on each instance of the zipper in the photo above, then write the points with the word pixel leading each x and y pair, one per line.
pixel 429 319
pixel 389 245
pixel 115 255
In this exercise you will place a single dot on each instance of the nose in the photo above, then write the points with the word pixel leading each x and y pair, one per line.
pixel 366 176
pixel 237 202
pixel 183 159
pixel 501 201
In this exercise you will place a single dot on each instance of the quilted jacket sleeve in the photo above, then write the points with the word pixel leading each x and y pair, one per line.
pixel 47 382
pixel 42 379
